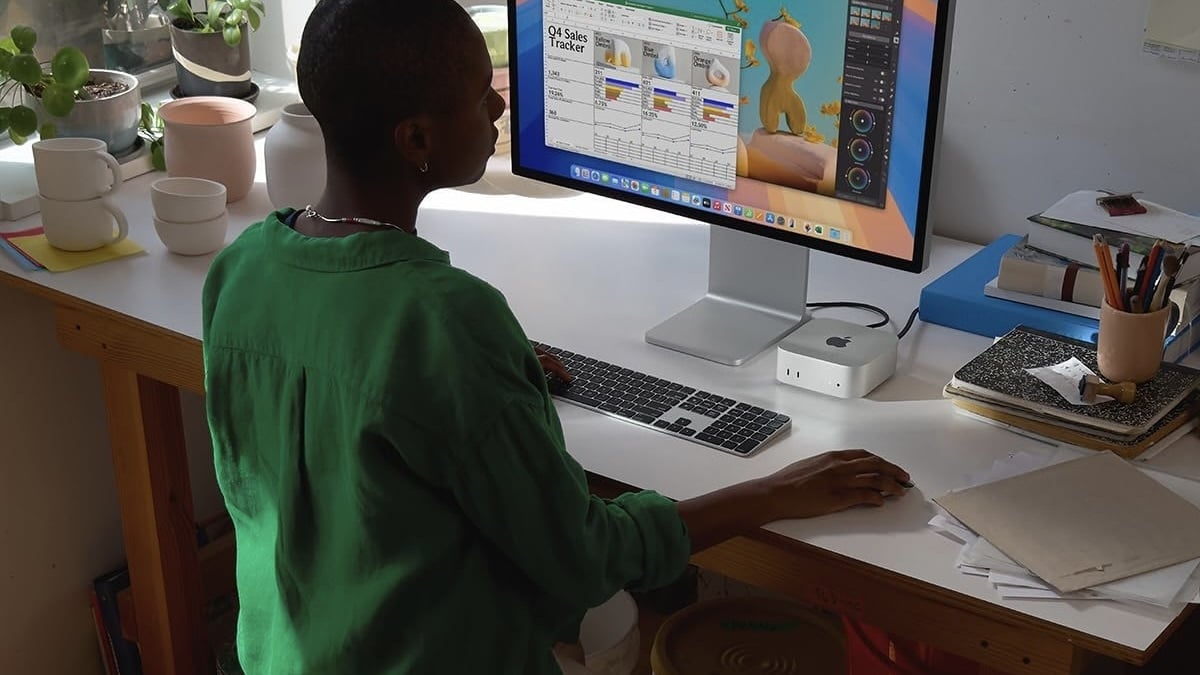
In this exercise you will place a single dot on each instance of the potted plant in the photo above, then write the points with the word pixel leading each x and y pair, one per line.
pixel 67 99
pixel 212 58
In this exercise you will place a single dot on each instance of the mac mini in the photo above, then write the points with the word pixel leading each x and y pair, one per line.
pixel 838 358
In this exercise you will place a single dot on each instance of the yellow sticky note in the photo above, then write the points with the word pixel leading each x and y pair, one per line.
pixel 56 260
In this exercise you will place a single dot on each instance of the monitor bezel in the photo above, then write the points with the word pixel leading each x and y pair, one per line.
pixel 922 236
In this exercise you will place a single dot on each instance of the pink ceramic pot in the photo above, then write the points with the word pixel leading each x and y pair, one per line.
pixel 210 137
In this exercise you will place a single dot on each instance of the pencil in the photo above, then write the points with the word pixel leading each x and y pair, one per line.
pixel 1104 260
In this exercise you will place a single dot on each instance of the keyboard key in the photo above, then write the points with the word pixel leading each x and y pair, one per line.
pixel 662 424
pixel 675 427
pixel 688 432
pixel 645 419
pixel 756 410
pixel 580 398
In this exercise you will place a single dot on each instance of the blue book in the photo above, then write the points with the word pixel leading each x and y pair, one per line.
pixel 956 300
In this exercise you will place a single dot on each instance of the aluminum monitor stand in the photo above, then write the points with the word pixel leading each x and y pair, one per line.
pixel 757 295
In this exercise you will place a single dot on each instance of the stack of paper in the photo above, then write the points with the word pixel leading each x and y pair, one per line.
pixel 32 252
pixel 1102 558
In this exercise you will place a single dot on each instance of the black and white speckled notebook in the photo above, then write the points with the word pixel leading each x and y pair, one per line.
pixel 999 374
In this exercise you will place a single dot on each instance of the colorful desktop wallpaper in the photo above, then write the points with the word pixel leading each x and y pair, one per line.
pixel 789 86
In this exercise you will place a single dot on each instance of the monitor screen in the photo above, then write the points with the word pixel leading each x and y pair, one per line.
pixel 813 122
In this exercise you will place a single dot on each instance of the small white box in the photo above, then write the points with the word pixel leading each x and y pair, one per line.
pixel 838 358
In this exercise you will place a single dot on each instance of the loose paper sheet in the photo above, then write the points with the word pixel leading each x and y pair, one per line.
pixel 1158 222
pixel 1083 522
pixel 1173 29
pixel 1064 378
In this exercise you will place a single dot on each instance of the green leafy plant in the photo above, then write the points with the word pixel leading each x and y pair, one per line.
pixel 57 83
pixel 150 128
pixel 223 16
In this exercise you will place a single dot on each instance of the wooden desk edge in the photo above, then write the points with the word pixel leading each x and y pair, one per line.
pixel 113 337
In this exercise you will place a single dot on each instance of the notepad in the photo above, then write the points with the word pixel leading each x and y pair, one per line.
pixel 1082 523
pixel 36 247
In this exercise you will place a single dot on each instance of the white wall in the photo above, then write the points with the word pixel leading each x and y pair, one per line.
pixel 1050 96
pixel 59 520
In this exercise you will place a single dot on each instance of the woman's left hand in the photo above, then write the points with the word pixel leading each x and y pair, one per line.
pixel 552 365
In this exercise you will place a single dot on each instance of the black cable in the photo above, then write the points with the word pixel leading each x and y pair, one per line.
pixel 871 308
pixel 857 305
pixel 908 324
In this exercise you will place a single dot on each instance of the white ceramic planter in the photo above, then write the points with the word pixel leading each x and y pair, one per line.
pixel 294 154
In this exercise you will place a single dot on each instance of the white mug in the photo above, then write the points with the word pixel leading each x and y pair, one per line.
pixel 82 225
pixel 75 169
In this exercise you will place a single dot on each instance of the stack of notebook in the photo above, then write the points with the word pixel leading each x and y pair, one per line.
pixel 997 387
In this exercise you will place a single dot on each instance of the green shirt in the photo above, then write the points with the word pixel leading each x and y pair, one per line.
pixel 395 469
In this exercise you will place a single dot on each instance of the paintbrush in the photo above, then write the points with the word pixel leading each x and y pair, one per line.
pixel 1170 268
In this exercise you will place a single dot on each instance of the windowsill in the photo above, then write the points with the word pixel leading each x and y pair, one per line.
pixel 18 185
pixel 499 189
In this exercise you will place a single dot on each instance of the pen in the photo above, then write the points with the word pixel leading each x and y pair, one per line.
pixel 1137 280
pixel 1122 272
pixel 1146 287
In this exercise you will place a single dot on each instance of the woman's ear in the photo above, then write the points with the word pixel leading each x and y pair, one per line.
pixel 413 140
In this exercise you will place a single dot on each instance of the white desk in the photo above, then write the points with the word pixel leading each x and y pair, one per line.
pixel 594 287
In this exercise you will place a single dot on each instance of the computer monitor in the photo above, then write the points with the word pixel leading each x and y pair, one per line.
pixel 810 125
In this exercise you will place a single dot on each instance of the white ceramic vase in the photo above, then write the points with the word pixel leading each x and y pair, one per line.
pixel 294 153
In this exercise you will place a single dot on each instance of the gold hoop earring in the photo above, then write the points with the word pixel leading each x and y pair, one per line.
pixel 424 167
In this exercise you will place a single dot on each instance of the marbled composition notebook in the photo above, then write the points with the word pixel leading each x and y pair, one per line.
pixel 998 374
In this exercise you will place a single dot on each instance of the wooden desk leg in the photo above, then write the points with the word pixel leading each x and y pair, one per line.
pixel 146 429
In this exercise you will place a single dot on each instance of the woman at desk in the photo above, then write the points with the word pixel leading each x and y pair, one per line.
pixel 403 498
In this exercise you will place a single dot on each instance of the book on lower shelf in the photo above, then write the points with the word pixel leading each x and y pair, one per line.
pixel 998 377
pixel 1032 276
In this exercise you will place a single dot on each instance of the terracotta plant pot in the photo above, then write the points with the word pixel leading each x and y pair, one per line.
pixel 211 137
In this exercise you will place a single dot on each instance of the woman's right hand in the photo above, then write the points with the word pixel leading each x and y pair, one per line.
pixel 829 482
pixel 832 481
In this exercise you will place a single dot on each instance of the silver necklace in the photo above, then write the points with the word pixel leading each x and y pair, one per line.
pixel 310 212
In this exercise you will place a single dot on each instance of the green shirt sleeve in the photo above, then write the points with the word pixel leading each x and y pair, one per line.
pixel 530 499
